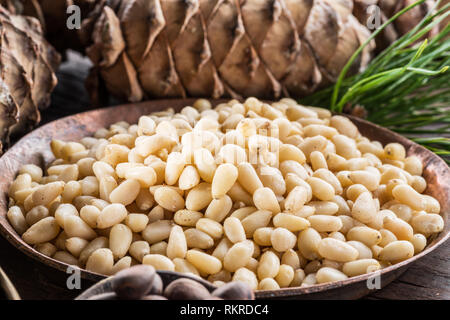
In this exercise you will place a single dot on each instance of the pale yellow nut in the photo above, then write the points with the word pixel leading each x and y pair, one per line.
pixel 111 215
pixel 269 265
pixel 97 243
pixel 247 276
pixel 224 178
pixel 46 248
pixel 136 221
pixel 248 177
pixel 296 199
pixel 151 144
pixel 394 151
pixel 337 250
pixel 407 195
pixel 74 226
pixel 268 284
pixel 126 192
pixel 146 176
pixel 255 220
pixel 120 238
pixel 238 256
pixel 17 219
pixel 75 245
pixel 399 227
pixel 42 231
pixel 204 262
pixel 419 242
pixel 321 189
pixel 100 261
pixel 265 199
pixel 364 251
pixel 65 257
pixel 262 236
pixel 183 266
pixel 327 274
pixel 282 239
pixel 291 222
pixel 344 126
pixel 219 208
pixel 366 235
pixel 177 245
pixel 123 263
pixel 234 230
pixel 139 249
pixel 364 208
pixel 159 262
pixel 33 170
pixel 169 199
pixel 36 214
pixel 45 194
pixel 199 197
pixel 189 178
pixel 397 251
pixel 187 218
pixel 361 266
pixel 205 163
pixel 211 227
pixel 89 214
pixel 196 238
pixel 308 243
pixel 325 223
pixel 428 223
pixel 157 231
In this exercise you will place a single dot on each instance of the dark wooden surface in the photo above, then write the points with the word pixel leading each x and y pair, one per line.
pixel 428 278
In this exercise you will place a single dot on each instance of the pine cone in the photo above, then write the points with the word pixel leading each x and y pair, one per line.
pixel 27 63
pixel 52 14
pixel 389 8
pixel 165 48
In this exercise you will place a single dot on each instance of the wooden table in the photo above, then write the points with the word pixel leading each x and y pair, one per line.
pixel 429 278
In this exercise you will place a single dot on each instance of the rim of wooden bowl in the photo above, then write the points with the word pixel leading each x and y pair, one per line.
pixel 7 287
pixel 436 173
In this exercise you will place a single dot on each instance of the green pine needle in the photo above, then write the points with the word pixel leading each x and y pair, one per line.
pixel 406 88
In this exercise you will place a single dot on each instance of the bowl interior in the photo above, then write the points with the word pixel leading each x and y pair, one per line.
pixel 34 148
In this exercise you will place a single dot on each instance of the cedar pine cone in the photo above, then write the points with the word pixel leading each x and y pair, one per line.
pixel 161 48
pixel 27 64
pixel 389 8
pixel 177 48
pixel 52 14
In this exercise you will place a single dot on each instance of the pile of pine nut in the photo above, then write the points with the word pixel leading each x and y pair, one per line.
pixel 275 195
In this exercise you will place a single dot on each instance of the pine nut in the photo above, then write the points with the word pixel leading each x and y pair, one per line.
pixel 265 199
pixel 159 262
pixel 169 199
pixel 224 178
pixel 111 215
pixel 337 250
pixel 126 192
pixel 238 256
pixel 120 239
pixel 397 251
pixel 203 262
pixel 234 230
pixel 327 274
pixel 177 246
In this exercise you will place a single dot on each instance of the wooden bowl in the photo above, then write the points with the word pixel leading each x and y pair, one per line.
pixel 7 289
pixel 34 148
